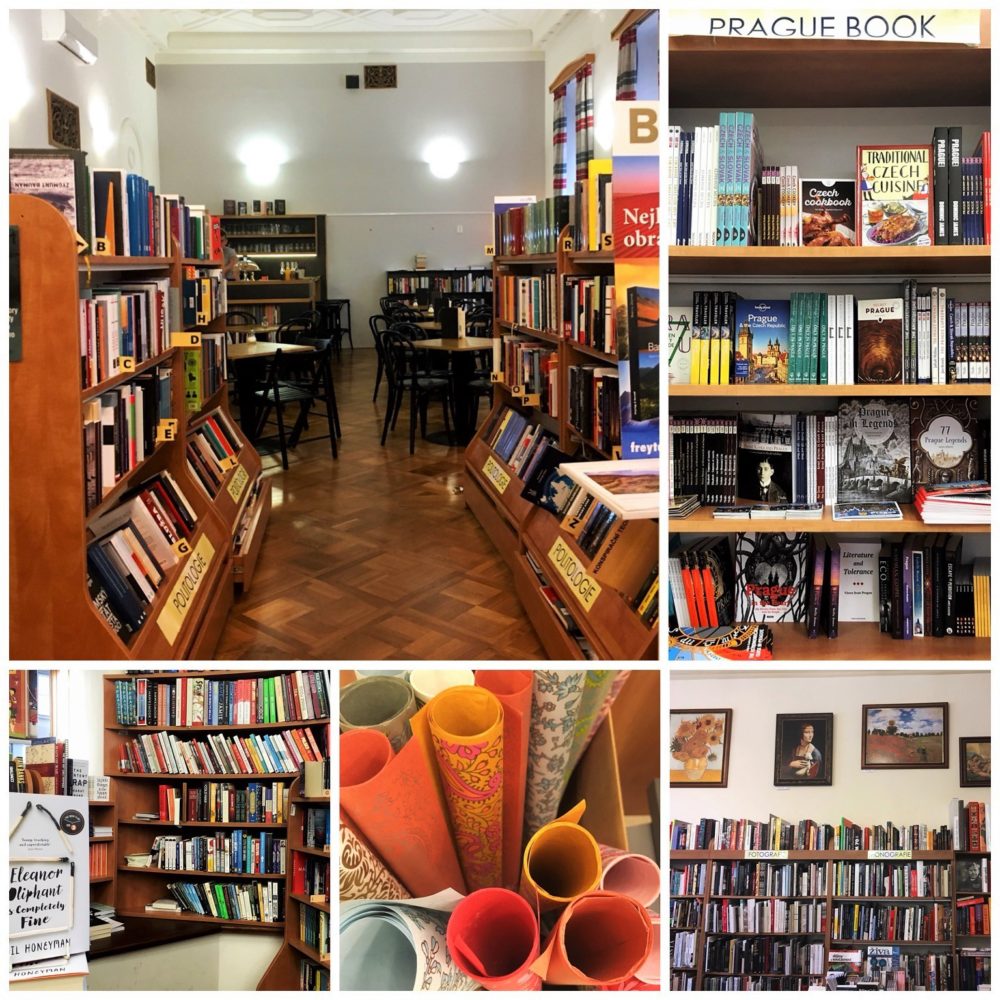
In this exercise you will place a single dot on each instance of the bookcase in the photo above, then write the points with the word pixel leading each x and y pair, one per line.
pixel 285 971
pixel 527 535
pixel 270 239
pixel 972 938
pixel 868 92
pixel 102 887
pixel 139 793
pixel 276 300
pixel 457 283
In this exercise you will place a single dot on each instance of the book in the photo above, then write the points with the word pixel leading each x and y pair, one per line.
pixel 867 510
pixel 879 340
pixel 873 451
pixel 761 341
pixel 894 196
pixel 679 345
pixel 771 578
pixel 644 351
pixel 58 176
pixel 858 601
pixel 828 213
pixel 943 435
pixel 764 458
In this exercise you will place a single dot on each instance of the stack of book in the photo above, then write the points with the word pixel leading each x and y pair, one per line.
pixel 967 502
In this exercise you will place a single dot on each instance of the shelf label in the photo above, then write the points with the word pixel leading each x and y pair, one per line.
pixel 166 430
pixel 498 479
pixel 238 484
pixel 185 338
pixel 126 363
pixel 489 250
pixel 766 855
pixel 607 241
pixel 496 376
pixel 584 587
pixel 181 547
pixel 227 462
pixel 185 589
pixel 527 398
pixel 890 855
pixel 567 244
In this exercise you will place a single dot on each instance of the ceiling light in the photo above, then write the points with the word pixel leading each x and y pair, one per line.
pixel 58 26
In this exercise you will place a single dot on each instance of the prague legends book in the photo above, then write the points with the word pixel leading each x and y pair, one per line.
pixel 894 196
pixel 942 438
pixel 873 451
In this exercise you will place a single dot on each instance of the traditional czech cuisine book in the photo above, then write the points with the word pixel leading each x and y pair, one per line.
pixel 894 196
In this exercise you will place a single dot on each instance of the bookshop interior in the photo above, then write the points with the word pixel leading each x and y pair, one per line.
pixel 103 766
pixel 334 334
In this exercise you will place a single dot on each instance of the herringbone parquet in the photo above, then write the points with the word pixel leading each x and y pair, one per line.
pixel 374 555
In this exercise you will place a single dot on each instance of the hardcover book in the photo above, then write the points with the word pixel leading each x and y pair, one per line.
pixel 858 600
pixel 644 351
pixel 771 578
pixel 679 344
pixel 58 176
pixel 880 341
pixel 873 451
pixel 764 458
pixel 943 434
pixel 828 213
pixel 894 196
pixel 761 341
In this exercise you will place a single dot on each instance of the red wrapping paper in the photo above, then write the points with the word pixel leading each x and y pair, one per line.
pixel 648 976
pixel 493 937
pixel 513 688
pixel 397 805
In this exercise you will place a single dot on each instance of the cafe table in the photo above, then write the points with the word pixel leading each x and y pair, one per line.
pixel 463 365
pixel 247 360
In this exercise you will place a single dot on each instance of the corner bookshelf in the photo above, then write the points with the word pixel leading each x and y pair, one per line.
pixel 139 792
pixel 102 887
pixel 288 967
pixel 948 83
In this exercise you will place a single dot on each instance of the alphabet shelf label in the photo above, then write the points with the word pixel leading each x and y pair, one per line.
pixel 582 585
pixel 185 589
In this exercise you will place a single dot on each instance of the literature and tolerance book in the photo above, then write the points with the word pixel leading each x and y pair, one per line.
pixel 894 196
pixel 828 215
pixel 880 341
pixel 679 344
pixel 761 342
pixel 764 457
pixel 858 580
pixel 943 434
pixel 771 579
pixel 873 451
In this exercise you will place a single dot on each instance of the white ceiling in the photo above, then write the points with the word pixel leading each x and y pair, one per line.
pixel 214 36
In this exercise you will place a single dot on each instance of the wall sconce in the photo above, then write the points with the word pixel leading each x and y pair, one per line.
pixel 444 156
pixel 58 26
pixel 262 157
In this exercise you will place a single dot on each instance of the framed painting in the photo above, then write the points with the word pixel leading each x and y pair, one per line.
pixel 803 749
pixel 974 761
pixel 699 747
pixel 904 736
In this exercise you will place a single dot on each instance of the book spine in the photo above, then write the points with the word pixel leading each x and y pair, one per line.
pixel 940 182
pixel 954 185
pixel 907 583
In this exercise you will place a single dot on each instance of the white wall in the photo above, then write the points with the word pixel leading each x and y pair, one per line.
pixel 117 106
pixel 357 156
pixel 866 797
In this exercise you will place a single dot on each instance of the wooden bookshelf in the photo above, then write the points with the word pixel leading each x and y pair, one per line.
pixel 103 813
pixel 751 391
pixel 136 887
pixel 284 971
pixel 455 283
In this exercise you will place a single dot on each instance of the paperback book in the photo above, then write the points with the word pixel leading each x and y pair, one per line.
pixel 761 342
pixel 828 213
pixel 771 579
pixel 764 457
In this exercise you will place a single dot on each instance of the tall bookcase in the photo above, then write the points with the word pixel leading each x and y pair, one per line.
pixel 51 613
pixel 880 92
pixel 525 534
pixel 135 793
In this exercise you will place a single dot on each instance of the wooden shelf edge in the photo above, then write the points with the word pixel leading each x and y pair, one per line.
pixel 218 729
pixel 196 918
pixel 306 901
pixel 684 391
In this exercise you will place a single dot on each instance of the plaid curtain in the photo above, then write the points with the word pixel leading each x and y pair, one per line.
pixel 628 62
pixel 584 119
pixel 559 140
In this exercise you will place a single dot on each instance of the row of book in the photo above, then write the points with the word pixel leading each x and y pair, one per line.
pixel 100 860
pixel 815 338
pixel 314 930
pixel 768 956
pixel 526 226
pixel 261 902
pixel 962 193
pixel 316 828
pixel 882 922
pixel 531 368
pixel 224 802
pixel 200 701
pixel 517 441
pixel 132 554
pixel 684 913
pixel 766 916
pixel 594 406
pixel 211 449
pixel 592 208
pixel 530 301
pixel 782 215
pixel 224 852
pixel 120 430
pixel 972 916
pixel 249 517
pixel 914 879
pixel 888 967
pixel 471 281
pixel 258 753
pixel 563 614
pixel 313 978
pixel 589 312
pixel 754 878
pixel 310 876
pixel 203 295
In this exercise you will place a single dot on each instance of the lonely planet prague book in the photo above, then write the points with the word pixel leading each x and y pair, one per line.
pixel 873 451
pixel 761 341
pixel 943 436
pixel 894 196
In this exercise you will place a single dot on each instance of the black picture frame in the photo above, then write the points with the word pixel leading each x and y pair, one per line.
pixel 973 764
pixel 256 206
pixel 789 733
pixel 228 206
pixel 279 206
pixel 241 208
pixel 891 738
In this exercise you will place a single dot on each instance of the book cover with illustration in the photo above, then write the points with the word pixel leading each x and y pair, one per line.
pixel 873 451
pixel 880 341
pixel 894 196
pixel 943 434
pixel 761 341
pixel 644 351
pixel 828 213
pixel 764 458
pixel 679 344
pixel 771 578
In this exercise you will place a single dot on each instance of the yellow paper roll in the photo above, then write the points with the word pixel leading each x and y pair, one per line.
pixel 561 861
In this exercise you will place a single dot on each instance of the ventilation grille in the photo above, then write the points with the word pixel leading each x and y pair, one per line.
pixel 380 77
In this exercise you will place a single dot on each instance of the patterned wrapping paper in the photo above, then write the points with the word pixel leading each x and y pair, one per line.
pixel 514 690
pixel 396 804
pixel 384 704
pixel 596 687
pixel 609 699
pixel 362 873
pixel 561 862
pixel 392 946
pixel 555 701
pixel 600 939
pixel 493 937
pixel 632 875
pixel 466 729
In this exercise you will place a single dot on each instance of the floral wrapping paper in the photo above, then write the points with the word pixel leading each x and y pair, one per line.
pixel 362 873
pixel 555 702
pixel 596 688
pixel 609 699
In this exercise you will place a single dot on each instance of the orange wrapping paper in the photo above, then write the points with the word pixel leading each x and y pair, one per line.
pixel 513 688
pixel 561 861
pixel 397 806
pixel 600 939
pixel 466 728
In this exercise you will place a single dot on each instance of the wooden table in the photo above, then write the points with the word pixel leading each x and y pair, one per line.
pixel 429 324
pixel 247 359
pixel 463 368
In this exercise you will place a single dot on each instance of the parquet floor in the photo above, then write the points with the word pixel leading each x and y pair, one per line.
pixel 374 556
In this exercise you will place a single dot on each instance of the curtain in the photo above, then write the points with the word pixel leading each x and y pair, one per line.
pixel 559 140
pixel 628 64
pixel 584 119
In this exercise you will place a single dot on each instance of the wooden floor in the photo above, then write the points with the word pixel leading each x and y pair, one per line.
pixel 374 555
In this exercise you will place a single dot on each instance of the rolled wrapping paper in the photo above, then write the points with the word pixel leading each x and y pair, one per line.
pixel 555 700
pixel 493 938
pixel 632 875
pixel 466 728
pixel 596 686
pixel 561 861
pixel 385 704
pixel 600 939
pixel 513 688
pixel 396 805
pixel 363 875
pixel 427 683
pixel 648 976
pixel 609 699
pixel 392 946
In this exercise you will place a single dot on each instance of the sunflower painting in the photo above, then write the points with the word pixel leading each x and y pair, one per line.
pixel 699 747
